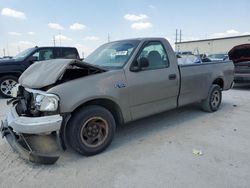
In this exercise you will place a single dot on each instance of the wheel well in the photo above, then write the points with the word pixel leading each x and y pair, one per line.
pixel 109 105
pixel 220 82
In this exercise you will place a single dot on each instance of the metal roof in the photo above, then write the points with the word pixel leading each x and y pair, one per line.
pixel 204 40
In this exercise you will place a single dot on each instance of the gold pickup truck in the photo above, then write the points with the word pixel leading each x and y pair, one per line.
pixel 81 103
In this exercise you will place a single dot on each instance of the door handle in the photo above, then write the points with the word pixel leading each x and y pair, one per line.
pixel 172 77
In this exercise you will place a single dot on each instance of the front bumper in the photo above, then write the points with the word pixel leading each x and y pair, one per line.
pixel 33 125
pixel 26 136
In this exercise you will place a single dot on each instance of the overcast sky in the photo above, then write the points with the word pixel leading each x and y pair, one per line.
pixel 86 24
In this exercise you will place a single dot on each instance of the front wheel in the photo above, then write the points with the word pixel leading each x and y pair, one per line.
pixel 213 100
pixel 91 130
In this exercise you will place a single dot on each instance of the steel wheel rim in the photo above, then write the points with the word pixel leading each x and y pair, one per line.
pixel 7 85
pixel 215 100
pixel 94 132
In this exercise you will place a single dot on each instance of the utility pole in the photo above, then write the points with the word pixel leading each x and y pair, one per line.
pixel 3 51
pixel 180 35
pixel 60 40
pixel 176 36
pixel 176 39
pixel 54 40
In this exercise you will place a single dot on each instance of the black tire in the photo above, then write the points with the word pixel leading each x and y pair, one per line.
pixel 80 136
pixel 4 89
pixel 213 100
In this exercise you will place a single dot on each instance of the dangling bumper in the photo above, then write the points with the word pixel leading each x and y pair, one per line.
pixel 31 136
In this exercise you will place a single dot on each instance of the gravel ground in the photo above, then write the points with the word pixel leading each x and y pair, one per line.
pixel 153 152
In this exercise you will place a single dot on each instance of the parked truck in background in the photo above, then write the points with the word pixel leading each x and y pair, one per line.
pixel 12 68
pixel 82 103
pixel 240 55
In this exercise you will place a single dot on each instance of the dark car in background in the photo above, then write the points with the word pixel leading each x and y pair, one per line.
pixel 240 55
pixel 12 68
pixel 6 57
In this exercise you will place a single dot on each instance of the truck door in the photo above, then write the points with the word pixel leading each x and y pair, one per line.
pixel 154 88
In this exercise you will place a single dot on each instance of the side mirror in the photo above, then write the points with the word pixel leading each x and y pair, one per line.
pixel 32 59
pixel 140 64
pixel 143 62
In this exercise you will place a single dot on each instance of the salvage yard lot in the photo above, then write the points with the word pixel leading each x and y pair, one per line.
pixel 153 152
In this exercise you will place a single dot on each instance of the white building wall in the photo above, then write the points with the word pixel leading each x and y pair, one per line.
pixel 212 46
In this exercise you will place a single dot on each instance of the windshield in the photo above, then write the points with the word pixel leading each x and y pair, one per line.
pixel 24 54
pixel 112 55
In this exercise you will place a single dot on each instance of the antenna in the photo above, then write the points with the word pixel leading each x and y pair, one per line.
pixel 176 35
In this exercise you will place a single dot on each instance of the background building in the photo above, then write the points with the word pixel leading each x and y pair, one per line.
pixel 212 46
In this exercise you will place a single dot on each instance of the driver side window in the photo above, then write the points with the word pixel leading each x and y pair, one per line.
pixel 156 55
pixel 43 54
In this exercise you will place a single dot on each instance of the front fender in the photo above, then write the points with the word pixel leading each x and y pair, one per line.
pixel 100 86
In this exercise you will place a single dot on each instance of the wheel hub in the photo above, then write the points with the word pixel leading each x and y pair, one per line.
pixel 215 100
pixel 94 131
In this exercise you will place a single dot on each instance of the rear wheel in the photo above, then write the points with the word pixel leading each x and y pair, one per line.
pixel 91 130
pixel 6 85
pixel 213 100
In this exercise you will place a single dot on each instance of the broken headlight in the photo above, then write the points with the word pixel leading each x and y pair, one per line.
pixel 46 102
pixel 43 101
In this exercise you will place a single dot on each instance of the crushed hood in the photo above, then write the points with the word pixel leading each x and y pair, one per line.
pixel 240 53
pixel 45 73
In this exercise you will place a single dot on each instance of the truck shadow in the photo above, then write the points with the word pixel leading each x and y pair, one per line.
pixel 142 129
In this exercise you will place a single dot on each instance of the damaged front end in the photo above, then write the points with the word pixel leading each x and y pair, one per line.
pixel 32 126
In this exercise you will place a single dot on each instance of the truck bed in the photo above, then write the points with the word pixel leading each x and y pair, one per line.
pixel 196 77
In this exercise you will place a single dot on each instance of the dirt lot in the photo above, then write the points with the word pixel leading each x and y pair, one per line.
pixel 153 152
